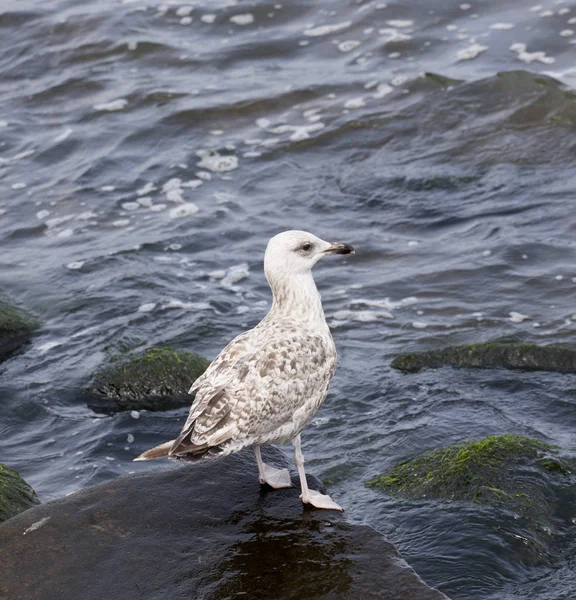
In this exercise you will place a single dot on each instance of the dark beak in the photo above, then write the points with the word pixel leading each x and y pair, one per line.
pixel 339 248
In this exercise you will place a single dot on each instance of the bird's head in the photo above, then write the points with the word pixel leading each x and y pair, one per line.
pixel 296 252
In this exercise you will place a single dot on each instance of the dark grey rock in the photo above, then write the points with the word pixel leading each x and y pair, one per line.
pixel 207 531
pixel 15 494
pixel 158 379
pixel 492 355
pixel 16 329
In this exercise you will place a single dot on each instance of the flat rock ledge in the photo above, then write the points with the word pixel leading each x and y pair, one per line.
pixel 492 355
pixel 207 531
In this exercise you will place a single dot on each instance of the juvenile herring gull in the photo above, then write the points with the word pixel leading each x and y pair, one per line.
pixel 267 383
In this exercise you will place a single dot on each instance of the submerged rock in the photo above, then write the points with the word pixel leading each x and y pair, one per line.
pixel 158 379
pixel 494 470
pixel 16 329
pixel 527 357
pixel 207 530
pixel 511 472
pixel 15 494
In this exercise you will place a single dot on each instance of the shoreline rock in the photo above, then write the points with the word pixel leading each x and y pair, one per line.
pixel 16 329
pixel 16 495
pixel 207 530
pixel 490 355
pixel 522 477
pixel 158 379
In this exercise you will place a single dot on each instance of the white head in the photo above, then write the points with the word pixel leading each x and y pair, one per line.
pixel 296 252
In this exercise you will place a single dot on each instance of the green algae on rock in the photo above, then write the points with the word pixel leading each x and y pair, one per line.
pixel 487 471
pixel 479 471
pixel 16 328
pixel 490 355
pixel 158 379
pixel 533 488
pixel 15 494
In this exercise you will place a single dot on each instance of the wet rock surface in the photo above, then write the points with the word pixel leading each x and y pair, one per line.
pixel 158 379
pixel 523 478
pixel 16 495
pixel 527 357
pixel 16 328
pixel 205 531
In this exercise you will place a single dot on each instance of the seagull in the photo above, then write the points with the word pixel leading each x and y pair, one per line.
pixel 268 382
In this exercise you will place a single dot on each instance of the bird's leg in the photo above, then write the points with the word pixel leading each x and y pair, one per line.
pixel 276 478
pixel 310 496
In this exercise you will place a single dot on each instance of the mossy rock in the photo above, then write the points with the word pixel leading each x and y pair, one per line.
pixel 523 356
pixel 510 471
pixel 15 494
pixel 16 328
pixel 158 379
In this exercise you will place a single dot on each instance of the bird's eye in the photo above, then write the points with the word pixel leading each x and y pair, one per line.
pixel 306 247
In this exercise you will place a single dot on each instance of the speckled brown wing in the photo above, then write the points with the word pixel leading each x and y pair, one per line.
pixel 277 386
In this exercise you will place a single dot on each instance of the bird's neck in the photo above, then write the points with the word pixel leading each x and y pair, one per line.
pixel 296 297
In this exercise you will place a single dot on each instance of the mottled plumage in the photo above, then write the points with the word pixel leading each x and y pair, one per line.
pixel 267 383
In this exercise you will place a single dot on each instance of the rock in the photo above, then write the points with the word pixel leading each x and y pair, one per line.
pixel 487 471
pixel 15 494
pixel 158 379
pixel 521 476
pixel 16 329
pixel 527 357
pixel 206 531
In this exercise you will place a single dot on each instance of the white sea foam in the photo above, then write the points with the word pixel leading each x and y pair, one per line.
pixel 299 132
pixel 471 52
pixel 399 24
pixel 245 19
pixel 326 29
pixel 42 214
pixel 355 103
pixel 530 57
pixel 148 307
pixel 419 324
pixel 173 303
pixel 348 45
pixel 502 26
pixel 212 161
pixel 146 189
pixel 145 201
pixel 209 19
pixel 184 11
pixel 361 316
pixel 183 210
pixel 383 90
pixel 75 265
pixel 393 35
pixel 130 206
pixel 517 317
pixel 119 104
pixel 235 274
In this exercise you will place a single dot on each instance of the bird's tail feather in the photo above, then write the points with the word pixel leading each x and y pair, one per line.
pixel 157 452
